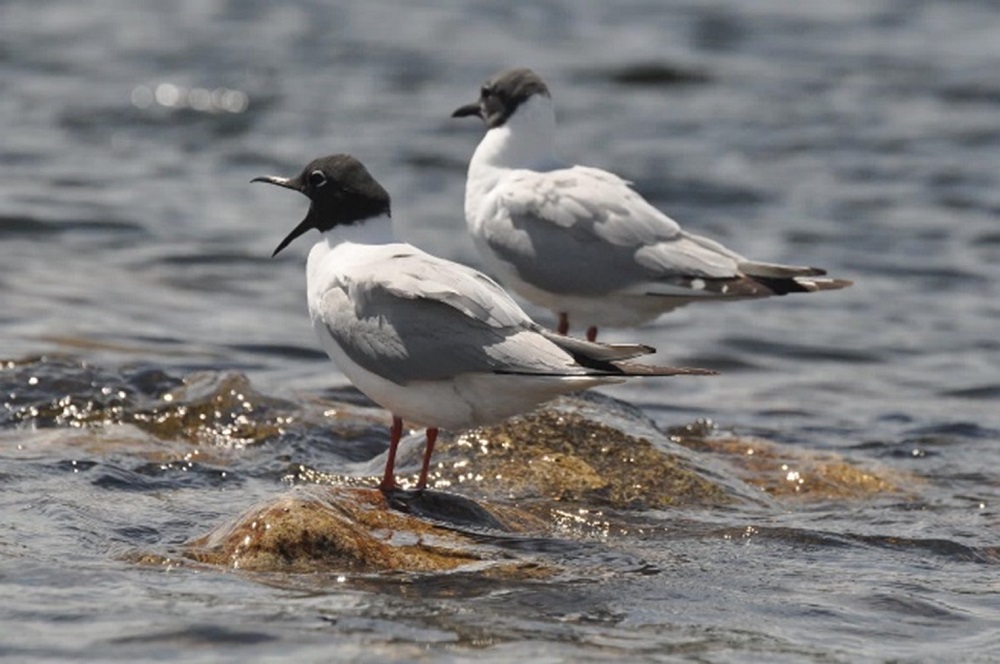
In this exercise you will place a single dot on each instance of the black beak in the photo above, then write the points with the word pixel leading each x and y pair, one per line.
pixel 287 183
pixel 467 110
pixel 304 225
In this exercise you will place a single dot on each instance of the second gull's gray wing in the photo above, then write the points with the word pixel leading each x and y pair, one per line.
pixel 584 231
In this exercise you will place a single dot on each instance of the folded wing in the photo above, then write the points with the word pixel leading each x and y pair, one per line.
pixel 583 231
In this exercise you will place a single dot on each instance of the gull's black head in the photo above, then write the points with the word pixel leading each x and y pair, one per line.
pixel 341 191
pixel 502 94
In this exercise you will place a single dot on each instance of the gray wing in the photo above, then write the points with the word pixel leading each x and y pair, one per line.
pixel 413 317
pixel 584 231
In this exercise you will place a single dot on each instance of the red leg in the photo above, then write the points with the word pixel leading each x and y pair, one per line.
pixel 432 434
pixel 592 333
pixel 389 478
pixel 563 324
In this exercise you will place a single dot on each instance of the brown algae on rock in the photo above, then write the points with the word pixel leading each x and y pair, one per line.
pixel 344 530
pixel 565 456
pixel 786 472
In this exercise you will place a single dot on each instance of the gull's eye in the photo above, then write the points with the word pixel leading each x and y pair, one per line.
pixel 486 92
pixel 317 179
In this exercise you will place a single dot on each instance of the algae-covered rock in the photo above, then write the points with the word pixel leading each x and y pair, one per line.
pixel 566 456
pixel 214 409
pixel 206 408
pixel 595 452
pixel 787 472
pixel 352 530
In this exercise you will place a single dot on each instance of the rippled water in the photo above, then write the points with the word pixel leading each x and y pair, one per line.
pixel 863 137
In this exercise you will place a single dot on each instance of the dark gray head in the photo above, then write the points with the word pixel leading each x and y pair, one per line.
pixel 501 95
pixel 341 191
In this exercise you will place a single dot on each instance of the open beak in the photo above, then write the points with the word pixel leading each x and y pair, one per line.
pixel 468 110
pixel 305 224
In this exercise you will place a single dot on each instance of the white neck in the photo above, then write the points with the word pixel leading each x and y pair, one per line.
pixel 341 247
pixel 526 140
pixel 377 230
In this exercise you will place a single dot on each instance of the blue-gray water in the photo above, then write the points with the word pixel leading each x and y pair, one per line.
pixel 863 137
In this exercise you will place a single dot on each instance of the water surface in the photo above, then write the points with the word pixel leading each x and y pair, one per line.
pixel 863 137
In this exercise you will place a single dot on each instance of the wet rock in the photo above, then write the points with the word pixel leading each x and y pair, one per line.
pixel 583 450
pixel 445 508
pixel 211 408
pixel 595 452
pixel 207 408
pixel 568 457
pixel 57 391
pixel 786 472
pixel 352 530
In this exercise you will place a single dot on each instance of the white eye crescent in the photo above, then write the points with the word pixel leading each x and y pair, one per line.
pixel 317 179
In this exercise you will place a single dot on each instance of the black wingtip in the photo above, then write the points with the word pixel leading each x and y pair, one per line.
pixel 637 369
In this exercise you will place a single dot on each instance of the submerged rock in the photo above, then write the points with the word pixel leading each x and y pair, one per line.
pixel 206 408
pixel 211 408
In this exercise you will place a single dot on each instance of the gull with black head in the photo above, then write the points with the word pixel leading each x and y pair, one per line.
pixel 434 342
pixel 580 241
